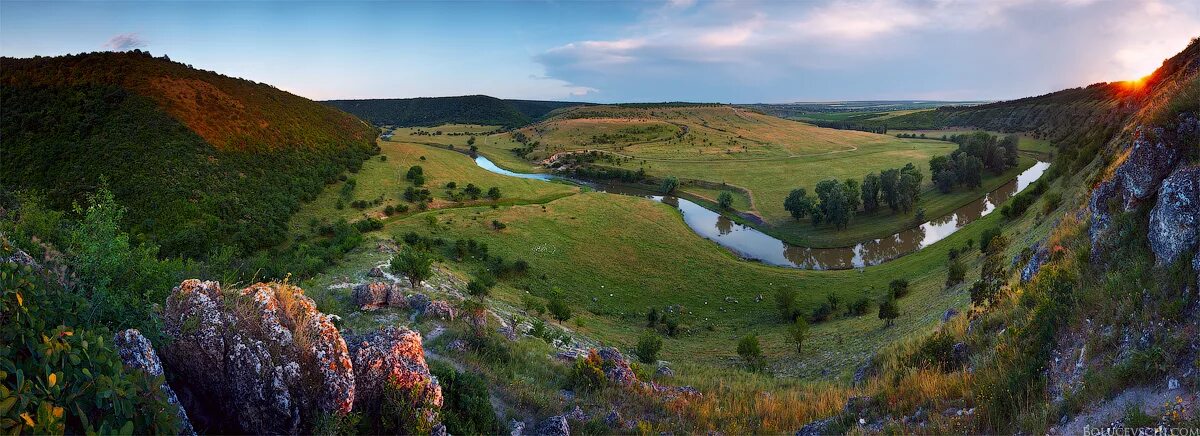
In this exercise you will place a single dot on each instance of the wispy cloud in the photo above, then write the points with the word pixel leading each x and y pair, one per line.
pixel 758 50
pixel 125 41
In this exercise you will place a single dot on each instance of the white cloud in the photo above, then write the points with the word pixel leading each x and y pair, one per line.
pixel 998 48
pixel 125 41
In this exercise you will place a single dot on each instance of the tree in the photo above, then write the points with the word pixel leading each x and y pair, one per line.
pixel 798 333
pixel 798 203
pixel 494 193
pixel 558 308
pixel 725 199
pixel 413 172
pixel 413 264
pixel 835 208
pixel 889 183
pixel 472 191
pixel 956 272
pixel 648 346
pixel 480 287
pixel 751 352
pixel 853 195
pixel 909 191
pixel 888 311
pixel 898 288
pixel 652 318
pixel 786 300
pixel 669 185
pixel 970 171
pixel 870 192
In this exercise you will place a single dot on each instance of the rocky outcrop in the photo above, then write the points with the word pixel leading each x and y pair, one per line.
pixel 1040 256
pixel 553 426
pixel 374 295
pixel 418 302
pixel 1150 160
pixel 394 356
pixel 137 353
pixel 616 367
pixel 1175 220
pixel 262 356
pixel 440 310
pixel 1153 155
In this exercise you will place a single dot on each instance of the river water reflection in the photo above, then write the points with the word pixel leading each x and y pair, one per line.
pixel 750 243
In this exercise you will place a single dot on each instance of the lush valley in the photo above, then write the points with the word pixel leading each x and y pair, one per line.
pixel 404 286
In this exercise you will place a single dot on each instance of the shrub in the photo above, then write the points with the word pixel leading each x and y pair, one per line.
pixel 669 185
pixel 860 307
pixel 725 199
pixel 588 373
pixel 368 225
pixel 899 288
pixel 986 236
pixel 405 411
pixel 558 308
pixel 62 379
pixel 466 408
pixel 652 318
pixel 956 272
pixel 888 312
pixel 798 332
pixel 786 300
pixel 648 346
pixel 493 193
pixel 822 313
pixel 751 352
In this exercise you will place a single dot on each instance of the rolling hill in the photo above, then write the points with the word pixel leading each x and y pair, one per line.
pixel 201 160
pixel 433 111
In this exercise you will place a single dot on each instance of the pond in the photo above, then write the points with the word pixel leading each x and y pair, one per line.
pixel 749 243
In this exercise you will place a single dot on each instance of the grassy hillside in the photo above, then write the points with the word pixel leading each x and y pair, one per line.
pixel 433 111
pixel 201 160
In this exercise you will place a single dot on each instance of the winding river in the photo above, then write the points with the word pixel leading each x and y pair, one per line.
pixel 752 244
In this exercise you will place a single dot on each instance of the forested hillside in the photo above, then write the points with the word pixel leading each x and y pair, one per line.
pixel 204 162
pixel 434 111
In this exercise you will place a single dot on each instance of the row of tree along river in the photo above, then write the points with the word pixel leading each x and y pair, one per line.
pixel 752 244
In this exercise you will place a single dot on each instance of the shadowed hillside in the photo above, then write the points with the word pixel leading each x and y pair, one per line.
pixel 202 160
pixel 433 111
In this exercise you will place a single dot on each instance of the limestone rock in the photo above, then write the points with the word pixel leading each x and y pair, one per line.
pixel 1175 220
pixel 616 367
pixel 375 272
pixel 394 355
pixel 1150 160
pixel 441 310
pixel 369 296
pixel 260 356
pixel 664 371
pixel 553 426
pixel 1040 256
pixel 418 302
pixel 137 353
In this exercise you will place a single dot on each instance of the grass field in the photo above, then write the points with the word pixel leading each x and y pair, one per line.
pixel 615 256
pixel 384 180
pixel 1027 143
pixel 762 155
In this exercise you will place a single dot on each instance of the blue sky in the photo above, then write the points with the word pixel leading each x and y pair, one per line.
pixel 608 51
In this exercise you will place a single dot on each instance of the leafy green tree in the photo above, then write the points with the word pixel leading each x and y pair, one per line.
pixel 798 333
pixel 725 199
pixel 909 192
pixel 648 346
pixel 889 184
pixel 834 206
pixel 669 185
pixel 888 311
pixel 558 308
pixel 414 264
pixel 413 172
pixel 898 288
pixel 494 193
pixel 870 192
pixel 853 195
pixel 786 300
pixel 480 288
pixel 798 203
pixel 751 352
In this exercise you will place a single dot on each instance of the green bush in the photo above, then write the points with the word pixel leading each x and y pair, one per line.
pixel 56 379
pixel 466 408
pixel 898 288
pixel 751 352
pixel 648 346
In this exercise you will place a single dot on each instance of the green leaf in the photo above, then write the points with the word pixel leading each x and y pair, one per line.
pixel 127 429
pixel 6 405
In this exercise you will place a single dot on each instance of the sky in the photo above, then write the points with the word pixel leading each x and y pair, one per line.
pixel 744 51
